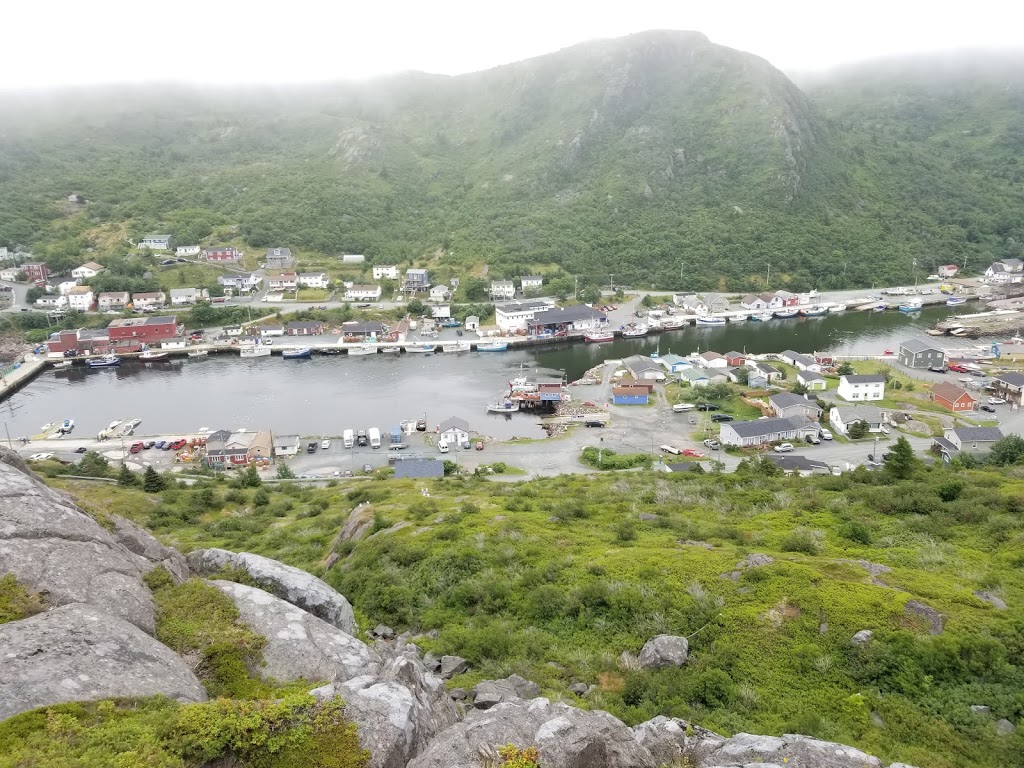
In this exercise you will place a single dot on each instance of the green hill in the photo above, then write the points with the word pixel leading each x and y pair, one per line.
pixel 660 158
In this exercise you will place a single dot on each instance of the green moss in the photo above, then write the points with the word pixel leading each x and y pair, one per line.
pixel 292 732
pixel 16 602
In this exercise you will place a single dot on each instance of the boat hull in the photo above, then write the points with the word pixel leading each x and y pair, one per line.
pixel 597 338
pixel 503 407
pixel 104 363
pixel 154 358
pixel 298 354
pixel 764 317
pixel 425 349
pixel 359 351
pixel 785 314
pixel 491 347
pixel 255 352
pixel 711 321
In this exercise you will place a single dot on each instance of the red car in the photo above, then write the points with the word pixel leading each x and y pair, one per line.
pixel 178 444
pixel 136 447
pixel 958 368
pixel 693 454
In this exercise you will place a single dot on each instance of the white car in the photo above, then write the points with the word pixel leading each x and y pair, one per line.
pixel 933 278
pixel 40 456
pixel 325 444
pixel 996 401
pixel 825 434
pixel 683 407
pixel 784 448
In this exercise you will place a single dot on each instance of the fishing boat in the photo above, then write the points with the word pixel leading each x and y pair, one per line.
pixel 254 350
pixel 449 323
pixel 785 314
pixel 837 308
pixel 153 356
pixel 596 337
pixel 672 323
pixel 63 364
pixel 880 307
pixel 302 353
pixel 739 318
pixel 66 427
pixel 710 321
pixel 910 305
pixel 363 349
pixel 422 348
pixel 492 346
pixel 762 317
pixel 955 301
pixel 107 361
pixel 504 406
pixel 814 311
pixel 456 346
pixel 199 353
pixel 393 350
pixel 634 331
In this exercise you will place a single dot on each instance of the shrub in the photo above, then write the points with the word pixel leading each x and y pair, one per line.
pixel 625 531
pixel 261 498
pixel 950 490
pixel 607 459
pixel 513 757
pixel 855 531
pixel 802 540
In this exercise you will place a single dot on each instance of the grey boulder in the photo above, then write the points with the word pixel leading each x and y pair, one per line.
pixel 54 548
pixel 397 712
pixel 862 638
pixel 149 552
pixel 664 651
pixel 297 587
pixel 488 693
pixel 789 750
pixel 671 740
pixel 1004 727
pixel 452 666
pixel 79 653
pixel 565 736
pixel 299 645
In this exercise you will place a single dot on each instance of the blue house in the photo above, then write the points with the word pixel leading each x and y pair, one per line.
pixel 675 363
pixel 629 396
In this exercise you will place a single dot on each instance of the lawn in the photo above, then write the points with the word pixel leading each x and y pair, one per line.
pixel 313 294
pixel 188 276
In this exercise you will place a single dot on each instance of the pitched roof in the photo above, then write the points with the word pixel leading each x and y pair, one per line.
pixel 631 391
pixel 419 468
pixel 788 400
pixel 671 359
pixel 692 374
pixel 760 427
pixel 712 356
pixel 868 413
pixel 734 354
pixel 566 315
pixel 806 376
pixel 766 369
pixel 641 363
pixel 1012 378
pixel 865 378
pixel 978 434
pixel 285 441
pixel 795 463
pixel 92 265
pixel 918 345
pixel 948 391
pixel 455 423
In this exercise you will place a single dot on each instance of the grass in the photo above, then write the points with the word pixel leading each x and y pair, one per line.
pixel 16 602
pixel 576 570
pixel 187 275
pixel 313 294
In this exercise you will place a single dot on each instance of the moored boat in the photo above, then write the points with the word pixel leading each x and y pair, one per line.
pixel 955 301
pixel 785 314
pixel 254 350
pixel 422 348
pixel 302 353
pixel 634 331
pixel 66 427
pixel 710 321
pixel 595 337
pixel 814 311
pixel 762 317
pixel 738 318
pixel 837 308
pixel 362 349
pixel 198 353
pixel 456 346
pixel 63 364
pixel 153 356
pixel 673 323
pixel 492 346
pixel 910 305
pixel 504 406
pixel 107 361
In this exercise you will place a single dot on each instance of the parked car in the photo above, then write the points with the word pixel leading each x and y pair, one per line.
pixel 594 423
pixel 693 454
pixel 713 444
pixel 159 445
pixel 812 439
pixel 178 444
pixel 988 408
pixel 784 448
pixel 708 407
pixel 825 434
pixel 938 368
pixel 311 447
pixel 683 407
pixel 136 447
pixel 367 469
pixel 40 456
pixel 325 444
pixel 148 443
pixel 718 418
pixel 363 306
pixel 996 401
pixel 957 368
pixel 361 439
pixel 81 449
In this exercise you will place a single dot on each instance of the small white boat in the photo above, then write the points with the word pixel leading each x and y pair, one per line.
pixel 66 426
pixel 710 321
pixel 837 308
pixel 302 353
pixel 505 406
pixel 738 318
pixel 634 331
pixel 814 311
pixel 362 349
pixel 955 301
pixel 595 337
pixel 153 355
pixel 113 425
pixel 396 350
pixel 493 346
pixel 421 348
pixel 762 317
pixel 199 353
pixel 785 314
pixel 47 427
pixel 254 350
pixel 107 361
pixel 63 364
pixel 910 305
pixel 456 346
pixel 673 323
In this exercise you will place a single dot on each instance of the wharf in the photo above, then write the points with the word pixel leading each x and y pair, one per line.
pixel 999 322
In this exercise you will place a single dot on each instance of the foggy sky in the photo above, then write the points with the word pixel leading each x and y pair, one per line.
pixel 70 42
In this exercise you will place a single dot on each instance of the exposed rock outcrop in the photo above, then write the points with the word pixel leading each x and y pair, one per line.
pixel 926 612
pixel 489 693
pixel 397 713
pixel 54 548
pixel 295 586
pixel 664 651
pixel 150 552
pixel 566 737
pixel 788 750
pixel 78 653
pixel 670 740
pixel 299 645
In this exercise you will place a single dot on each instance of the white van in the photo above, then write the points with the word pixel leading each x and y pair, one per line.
pixel 442 445
pixel 374 434
pixel 350 438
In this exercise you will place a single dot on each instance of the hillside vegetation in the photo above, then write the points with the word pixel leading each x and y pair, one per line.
pixel 562 580
pixel 657 159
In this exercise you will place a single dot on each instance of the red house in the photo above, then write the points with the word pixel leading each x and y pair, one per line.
pixel 147 330
pixel 950 396
pixel 84 340
pixel 734 359
pixel 36 271
pixel 229 253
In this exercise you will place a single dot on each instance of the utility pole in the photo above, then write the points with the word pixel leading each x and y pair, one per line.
pixel 611 283
pixel 576 287
pixel 9 443
pixel 769 276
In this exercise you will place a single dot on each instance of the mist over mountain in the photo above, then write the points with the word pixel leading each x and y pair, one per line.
pixel 660 157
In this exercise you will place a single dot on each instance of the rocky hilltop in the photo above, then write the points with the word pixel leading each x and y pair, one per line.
pixel 93 634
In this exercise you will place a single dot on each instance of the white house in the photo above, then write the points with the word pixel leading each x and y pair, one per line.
pixel 843 416
pixel 531 283
pixel 10 274
pixel 65 287
pixel 81 298
pixel 286 281
pixel 182 297
pixel 770 372
pixel 187 250
pixel 363 293
pixel 441 311
pixel 385 272
pixel 150 300
pixel 801 362
pixel 675 363
pixel 286 445
pixel 712 360
pixel 5 254
pixel 154 243
pixel 813 380
pixel 809 297
pixel 241 281
pixel 503 290
pixel 764 431
pixel 454 430
pixel 439 293
pixel 313 279
pixel 113 301
pixel 516 315
pixel 52 300
pixel 860 387
pixel 755 302
pixel 471 323
pixel 87 270
pixel 279 258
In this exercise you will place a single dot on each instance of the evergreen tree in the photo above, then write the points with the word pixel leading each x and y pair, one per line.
pixel 152 481
pixel 284 472
pixel 845 369
pixel 901 463
pixel 250 478
pixel 858 430
pixel 1007 451
pixel 126 478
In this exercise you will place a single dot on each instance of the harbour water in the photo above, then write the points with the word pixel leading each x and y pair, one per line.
pixel 326 395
